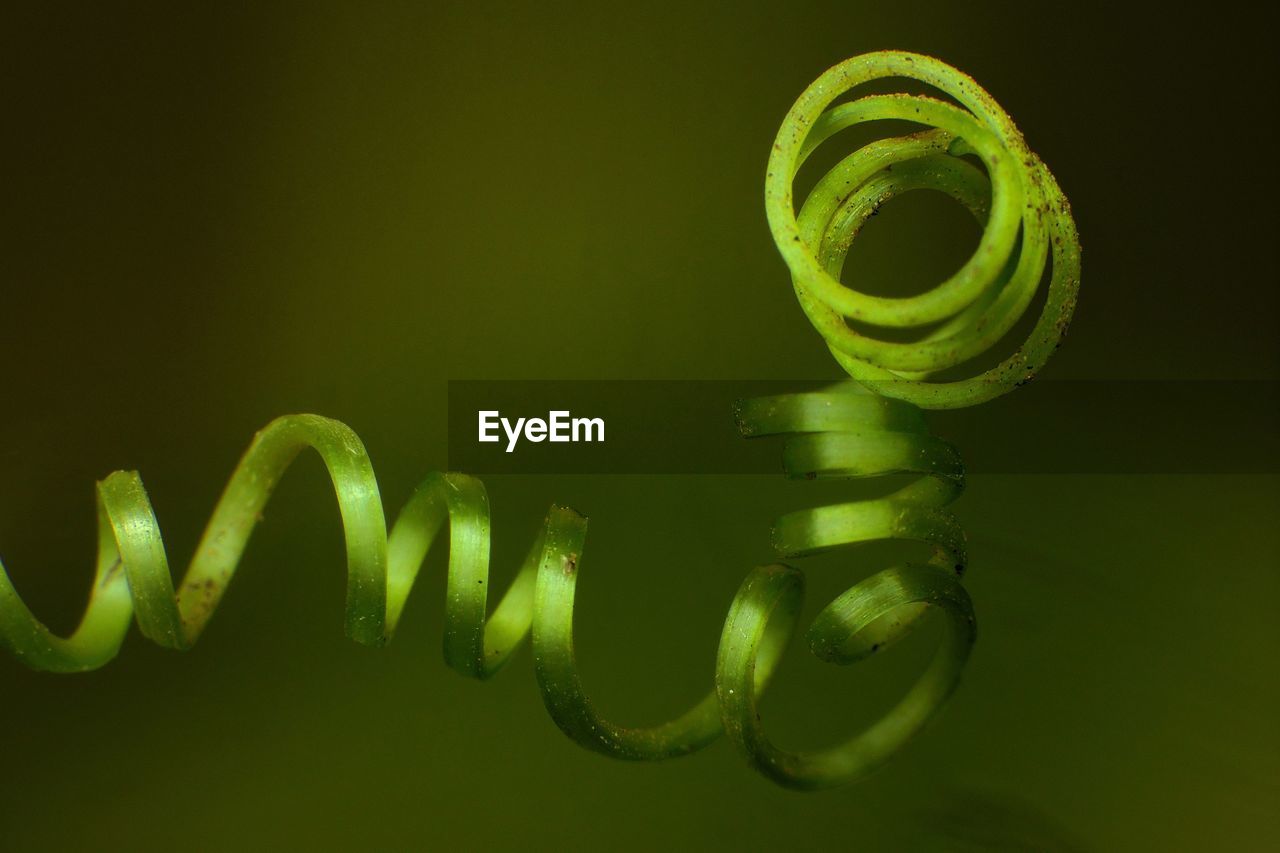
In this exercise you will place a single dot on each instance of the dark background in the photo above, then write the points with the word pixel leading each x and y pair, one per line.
pixel 215 214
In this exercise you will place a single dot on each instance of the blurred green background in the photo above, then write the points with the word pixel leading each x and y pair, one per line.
pixel 216 214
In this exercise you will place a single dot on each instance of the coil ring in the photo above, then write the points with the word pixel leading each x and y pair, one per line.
pixel 1027 220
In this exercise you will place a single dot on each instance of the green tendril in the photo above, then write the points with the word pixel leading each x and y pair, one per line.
pixel 1017 201
pixel 843 432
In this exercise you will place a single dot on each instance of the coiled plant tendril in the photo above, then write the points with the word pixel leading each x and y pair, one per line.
pixel 842 432
pixel 1017 200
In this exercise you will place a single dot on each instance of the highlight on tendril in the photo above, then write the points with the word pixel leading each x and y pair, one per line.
pixel 1026 222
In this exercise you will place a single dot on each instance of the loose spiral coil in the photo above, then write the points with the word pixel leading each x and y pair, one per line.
pixel 1018 202
pixel 843 432
pixel 133 580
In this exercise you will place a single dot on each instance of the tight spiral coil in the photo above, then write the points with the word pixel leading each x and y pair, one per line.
pixel 1024 214
pixel 133 580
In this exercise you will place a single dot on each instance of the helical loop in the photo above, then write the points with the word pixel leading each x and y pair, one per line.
pixel 846 432
pixel 133 580
pixel 1026 221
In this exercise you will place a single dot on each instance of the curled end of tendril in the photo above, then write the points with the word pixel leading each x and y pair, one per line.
pixel 1026 219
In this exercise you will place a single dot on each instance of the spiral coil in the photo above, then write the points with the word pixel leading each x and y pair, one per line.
pixel 1018 202
pixel 1026 223
pixel 843 432
pixel 846 433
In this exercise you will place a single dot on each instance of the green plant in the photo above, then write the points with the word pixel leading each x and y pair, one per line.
pixel 843 432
